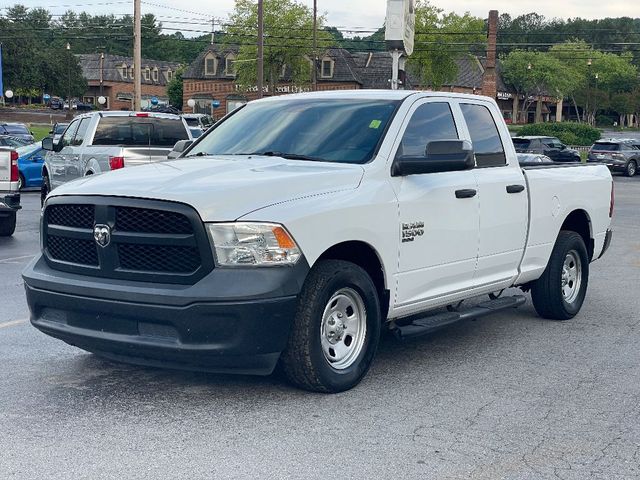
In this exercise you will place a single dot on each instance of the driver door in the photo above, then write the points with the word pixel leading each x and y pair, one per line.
pixel 439 214
pixel 56 160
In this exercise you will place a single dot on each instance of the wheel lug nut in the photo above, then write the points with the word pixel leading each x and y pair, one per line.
pixel 332 321
pixel 339 315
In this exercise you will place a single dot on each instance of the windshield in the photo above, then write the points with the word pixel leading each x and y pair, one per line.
pixel 521 142
pixel 332 130
pixel 19 129
pixel 192 122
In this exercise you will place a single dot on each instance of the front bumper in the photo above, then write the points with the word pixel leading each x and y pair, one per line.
pixel 231 321
pixel 9 203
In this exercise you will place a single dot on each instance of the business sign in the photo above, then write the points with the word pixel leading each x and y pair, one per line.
pixel 400 25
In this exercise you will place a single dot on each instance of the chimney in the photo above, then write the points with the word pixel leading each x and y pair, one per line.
pixel 489 79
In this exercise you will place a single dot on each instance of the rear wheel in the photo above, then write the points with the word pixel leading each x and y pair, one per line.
pixel 632 168
pixel 8 225
pixel 21 182
pixel 559 293
pixel 44 189
pixel 336 331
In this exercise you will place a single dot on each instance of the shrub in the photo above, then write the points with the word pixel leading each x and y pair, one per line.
pixel 569 133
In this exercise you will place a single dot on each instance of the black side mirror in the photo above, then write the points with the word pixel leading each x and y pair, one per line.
pixel 182 145
pixel 440 156
pixel 47 144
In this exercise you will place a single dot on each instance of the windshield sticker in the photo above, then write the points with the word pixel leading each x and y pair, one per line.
pixel 375 124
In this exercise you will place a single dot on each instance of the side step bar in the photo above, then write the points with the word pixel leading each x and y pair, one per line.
pixel 425 325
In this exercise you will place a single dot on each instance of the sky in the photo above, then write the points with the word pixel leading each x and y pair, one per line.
pixel 348 13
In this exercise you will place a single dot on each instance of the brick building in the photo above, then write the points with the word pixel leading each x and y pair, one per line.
pixel 116 74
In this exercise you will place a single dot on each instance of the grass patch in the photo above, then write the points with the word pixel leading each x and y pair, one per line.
pixel 40 131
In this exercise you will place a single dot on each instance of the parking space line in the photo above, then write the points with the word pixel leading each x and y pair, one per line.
pixel 13 259
pixel 12 323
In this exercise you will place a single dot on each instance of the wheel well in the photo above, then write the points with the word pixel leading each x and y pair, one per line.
pixel 365 256
pixel 578 221
pixel 45 171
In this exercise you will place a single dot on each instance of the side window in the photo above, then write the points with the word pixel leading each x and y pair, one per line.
pixel 431 121
pixel 484 135
pixel 82 131
pixel 70 133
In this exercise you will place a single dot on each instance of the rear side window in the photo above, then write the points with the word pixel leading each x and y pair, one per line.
pixel 139 131
pixel 484 135
pixel 431 121
pixel 521 143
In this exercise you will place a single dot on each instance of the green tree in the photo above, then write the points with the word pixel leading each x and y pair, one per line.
pixel 441 39
pixel 175 89
pixel 288 26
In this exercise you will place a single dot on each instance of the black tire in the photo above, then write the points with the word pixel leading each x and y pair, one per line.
pixel 8 225
pixel 21 182
pixel 547 292
pixel 303 361
pixel 44 189
pixel 631 169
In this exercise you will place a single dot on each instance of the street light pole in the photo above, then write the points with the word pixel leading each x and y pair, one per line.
pixel 260 66
pixel 68 79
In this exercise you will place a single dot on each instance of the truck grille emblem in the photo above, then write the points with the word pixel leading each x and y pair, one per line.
pixel 102 235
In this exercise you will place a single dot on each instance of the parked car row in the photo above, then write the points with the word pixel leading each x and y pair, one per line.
pixel 620 155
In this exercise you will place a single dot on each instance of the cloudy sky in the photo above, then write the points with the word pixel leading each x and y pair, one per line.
pixel 350 13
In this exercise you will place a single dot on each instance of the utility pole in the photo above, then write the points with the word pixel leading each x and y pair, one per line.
pixel 315 46
pixel 137 55
pixel 260 47
pixel 213 30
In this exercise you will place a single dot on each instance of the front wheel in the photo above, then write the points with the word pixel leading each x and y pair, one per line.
pixel 44 189
pixel 559 293
pixel 336 331
pixel 631 169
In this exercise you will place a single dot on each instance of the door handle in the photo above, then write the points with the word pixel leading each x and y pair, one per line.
pixel 466 193
pixel 515 188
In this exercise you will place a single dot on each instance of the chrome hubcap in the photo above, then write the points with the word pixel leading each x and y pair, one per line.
pixel 344 328
pixel 571 276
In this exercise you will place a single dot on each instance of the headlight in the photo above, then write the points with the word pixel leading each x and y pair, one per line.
pixel 258 244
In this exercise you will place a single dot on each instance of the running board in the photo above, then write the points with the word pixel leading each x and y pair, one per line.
pixel 425 325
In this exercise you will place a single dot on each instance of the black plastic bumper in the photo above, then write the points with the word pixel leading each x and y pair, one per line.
pixel 233 320
pixel 9 203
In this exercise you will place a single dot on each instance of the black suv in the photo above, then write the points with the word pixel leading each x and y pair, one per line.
pixel 549 146
pixel 619 154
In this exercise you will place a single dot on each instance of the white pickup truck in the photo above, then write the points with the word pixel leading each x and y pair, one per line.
pixel 9 191
pixel 299 227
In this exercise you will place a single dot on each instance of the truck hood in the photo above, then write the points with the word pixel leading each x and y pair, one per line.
pixel 221 188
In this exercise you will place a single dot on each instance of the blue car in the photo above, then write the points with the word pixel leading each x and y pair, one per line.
pixel 30 160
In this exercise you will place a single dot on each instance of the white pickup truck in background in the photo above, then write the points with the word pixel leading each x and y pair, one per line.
pixel 299 227
pixel 9 191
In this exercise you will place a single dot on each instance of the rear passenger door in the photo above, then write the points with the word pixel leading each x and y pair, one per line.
pixel 502 196
pixel 73 158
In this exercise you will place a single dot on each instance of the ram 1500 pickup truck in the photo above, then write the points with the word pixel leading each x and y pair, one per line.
pixel 9 191
pixel 299 227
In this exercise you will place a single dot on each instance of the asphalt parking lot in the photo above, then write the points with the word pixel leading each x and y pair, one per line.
pixel 507 397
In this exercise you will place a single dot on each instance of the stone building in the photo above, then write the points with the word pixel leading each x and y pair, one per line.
pixel 115 73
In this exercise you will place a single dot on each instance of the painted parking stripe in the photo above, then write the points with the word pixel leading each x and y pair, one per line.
pixel 12 323
pixel 13 259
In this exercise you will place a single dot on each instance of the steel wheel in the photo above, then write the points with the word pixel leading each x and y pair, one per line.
pixel 571 276
pixel 343 328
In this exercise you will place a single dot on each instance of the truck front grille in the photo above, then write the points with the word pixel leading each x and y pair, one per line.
pixel 147 240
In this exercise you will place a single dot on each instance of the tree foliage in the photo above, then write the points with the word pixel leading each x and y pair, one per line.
pixel 438 39
pixel 288 46
pixel 175 89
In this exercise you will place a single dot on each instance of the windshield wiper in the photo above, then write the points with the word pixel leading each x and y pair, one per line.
pixel 199 154
pixel 290 156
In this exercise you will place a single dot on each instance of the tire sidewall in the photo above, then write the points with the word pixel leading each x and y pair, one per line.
pixel 45 189
pixel 635 170
pixel 339 380
pixel 575 243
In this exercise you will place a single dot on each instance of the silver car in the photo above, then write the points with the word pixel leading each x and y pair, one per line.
pixel 98 142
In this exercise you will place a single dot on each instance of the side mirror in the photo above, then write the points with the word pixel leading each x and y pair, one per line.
pixel 47 144
pixel 440 156
pixel 182 145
